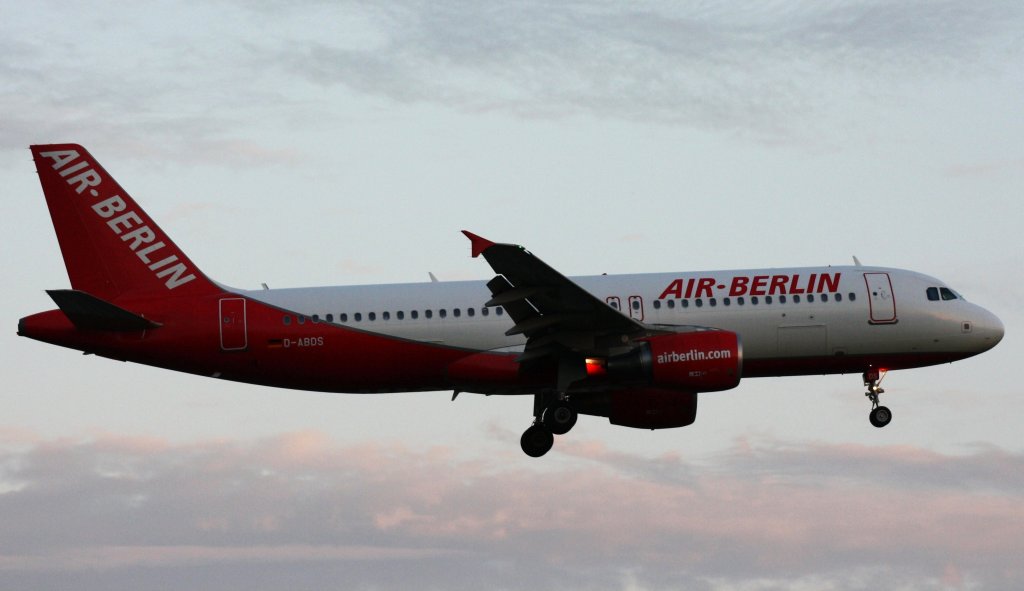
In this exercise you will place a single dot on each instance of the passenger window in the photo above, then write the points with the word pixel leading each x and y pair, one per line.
pixel 839 297
pixel 428 313
pixel 685 303
pixel 456 312
pixel 636 304
pixel 853 297
pixel 753 300
pixel 698 302
pixel 726 301
pixel 316 318
pixel 485 311
pixel 810 297
pixel 657 304
pixel 796 299
pixel 400 314
pixel 414 314
pixel 782 299
pixel 499 310
pixel 358 316
pixel 739 301
pixel 824 297
pixel 470 312
pixel 302 319
pixel 286 319
pixel 947 294
pixel 330 318
pixel 443 313
pixel 713 302
pixel 385 316
pixel 767 299
pixel 372 316
pixel 343 317
pixel 671 304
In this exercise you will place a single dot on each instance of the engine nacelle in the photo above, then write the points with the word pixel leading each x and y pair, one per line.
pixel 652 408
pixel 642 408
pixel 703 361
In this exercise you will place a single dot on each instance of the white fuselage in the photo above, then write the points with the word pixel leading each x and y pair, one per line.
pixel 778 313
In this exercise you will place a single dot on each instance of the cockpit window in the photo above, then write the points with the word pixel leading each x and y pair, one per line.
pixel 941 293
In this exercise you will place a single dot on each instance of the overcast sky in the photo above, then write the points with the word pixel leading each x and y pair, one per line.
pixel 320 143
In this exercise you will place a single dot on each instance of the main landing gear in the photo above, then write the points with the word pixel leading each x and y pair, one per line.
pixel 880 415
pixel 556 417
pixel 537 440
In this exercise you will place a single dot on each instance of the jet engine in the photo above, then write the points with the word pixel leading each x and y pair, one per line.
pixel 702 361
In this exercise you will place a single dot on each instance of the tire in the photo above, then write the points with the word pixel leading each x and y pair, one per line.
pixel 880 416
pixel 536 441
pixel 560 417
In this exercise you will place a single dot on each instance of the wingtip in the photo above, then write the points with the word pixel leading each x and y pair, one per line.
pixel 479 244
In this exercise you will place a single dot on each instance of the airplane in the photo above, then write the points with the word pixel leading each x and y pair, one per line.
pixel 637 349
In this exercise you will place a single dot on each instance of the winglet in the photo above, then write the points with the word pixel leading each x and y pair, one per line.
pixel 479 244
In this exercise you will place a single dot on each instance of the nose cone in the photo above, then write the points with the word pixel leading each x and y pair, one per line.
pixel 988 329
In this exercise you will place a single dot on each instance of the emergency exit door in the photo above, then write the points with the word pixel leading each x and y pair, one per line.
pixel 636 308
pixel 233 335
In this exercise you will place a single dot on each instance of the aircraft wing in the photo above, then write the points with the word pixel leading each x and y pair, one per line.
pixel 556 315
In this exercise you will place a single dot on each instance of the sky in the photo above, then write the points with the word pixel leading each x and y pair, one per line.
pixel 305 142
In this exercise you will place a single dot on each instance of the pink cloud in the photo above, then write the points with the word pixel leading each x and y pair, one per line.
pixel 764 509
pixel 984 168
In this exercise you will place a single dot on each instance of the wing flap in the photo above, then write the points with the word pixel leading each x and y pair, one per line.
pixel 512 295
pixel 518 309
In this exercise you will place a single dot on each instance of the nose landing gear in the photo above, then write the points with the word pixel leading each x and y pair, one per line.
pixel 880 415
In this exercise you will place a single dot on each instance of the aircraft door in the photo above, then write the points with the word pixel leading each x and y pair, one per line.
pixel 233 335
pixel 614 302
pixel 881 300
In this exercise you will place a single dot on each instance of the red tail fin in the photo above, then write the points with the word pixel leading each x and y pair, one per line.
pixel 111 247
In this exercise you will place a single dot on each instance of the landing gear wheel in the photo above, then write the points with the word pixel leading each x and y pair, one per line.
pixel 880 416
pixel 559 417
pixel 536 441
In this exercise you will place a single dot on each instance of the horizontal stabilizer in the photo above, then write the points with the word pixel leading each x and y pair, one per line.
pixel 89 312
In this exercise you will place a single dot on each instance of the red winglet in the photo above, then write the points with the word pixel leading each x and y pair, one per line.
pixel 479 244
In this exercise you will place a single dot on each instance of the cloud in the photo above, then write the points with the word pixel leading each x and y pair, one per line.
pixel 135 82
pixel 765 69
pixel 984 169
pixel 589 517
pixel 149 80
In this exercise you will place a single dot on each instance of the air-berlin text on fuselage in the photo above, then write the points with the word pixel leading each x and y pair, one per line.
pixel 757 285
pixel 128 225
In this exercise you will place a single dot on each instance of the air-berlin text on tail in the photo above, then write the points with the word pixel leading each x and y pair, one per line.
pixel 128 225
pixel 757 285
